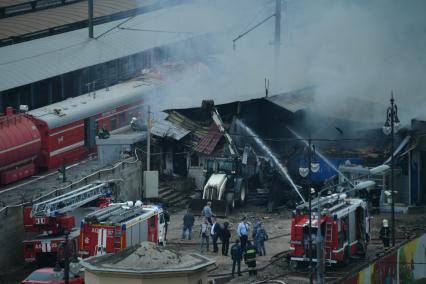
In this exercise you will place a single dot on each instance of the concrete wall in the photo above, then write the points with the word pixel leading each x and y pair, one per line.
pixel 404 265
pixel 128 186
pixel 11 236
pixel 199 277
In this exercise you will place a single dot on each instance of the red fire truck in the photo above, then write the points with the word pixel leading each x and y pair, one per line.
pixel 52 218
pixel 120 225
pixel 344 229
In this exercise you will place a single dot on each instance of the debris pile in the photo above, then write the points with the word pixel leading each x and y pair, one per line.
pixel 148 256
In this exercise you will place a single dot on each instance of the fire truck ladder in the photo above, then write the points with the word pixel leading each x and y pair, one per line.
pixel 328 232
pixel 328 246
pixel 114 213
pixel 70 200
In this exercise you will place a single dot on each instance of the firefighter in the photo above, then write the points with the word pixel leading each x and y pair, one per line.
pixel 103 133
pixel 166 222
pixel 385 234
pixel 250 258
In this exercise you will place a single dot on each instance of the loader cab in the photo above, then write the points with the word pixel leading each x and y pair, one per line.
pixel 221 165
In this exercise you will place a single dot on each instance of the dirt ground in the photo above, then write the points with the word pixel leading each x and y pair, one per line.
pixel 277 226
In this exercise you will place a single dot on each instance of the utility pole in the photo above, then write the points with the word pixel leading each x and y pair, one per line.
pixel 90 11
pixel 148 141
pixel 392 117
pixel 277 30
pixel 320 280
pixel 310 211
pixel 66 260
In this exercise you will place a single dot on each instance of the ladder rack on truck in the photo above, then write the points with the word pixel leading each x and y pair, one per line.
pixel 70 200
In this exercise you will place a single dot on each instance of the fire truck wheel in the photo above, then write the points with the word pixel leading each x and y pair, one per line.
pixel 294 265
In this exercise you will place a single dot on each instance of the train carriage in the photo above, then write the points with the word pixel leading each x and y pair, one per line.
pixel 68 128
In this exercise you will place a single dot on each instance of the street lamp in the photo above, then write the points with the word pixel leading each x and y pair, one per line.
pixel 305 171
pixel 66 259
pixel 392 124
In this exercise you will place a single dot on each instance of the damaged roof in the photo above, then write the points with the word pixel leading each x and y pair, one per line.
pixel 295 100
pixel 209 142
pixel 165 128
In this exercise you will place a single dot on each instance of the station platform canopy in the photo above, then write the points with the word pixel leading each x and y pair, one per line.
pixel 39 59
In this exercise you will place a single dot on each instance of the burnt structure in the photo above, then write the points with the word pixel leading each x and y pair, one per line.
pixel 275 119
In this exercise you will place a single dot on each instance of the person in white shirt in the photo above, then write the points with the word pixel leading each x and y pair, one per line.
pixel 242 232
pixel 204 234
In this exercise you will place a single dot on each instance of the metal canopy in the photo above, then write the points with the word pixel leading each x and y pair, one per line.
pixel 39 59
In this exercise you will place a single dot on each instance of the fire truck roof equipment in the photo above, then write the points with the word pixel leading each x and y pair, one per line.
pixel 70 200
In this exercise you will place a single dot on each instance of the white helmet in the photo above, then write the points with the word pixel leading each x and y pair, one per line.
pixel 385 223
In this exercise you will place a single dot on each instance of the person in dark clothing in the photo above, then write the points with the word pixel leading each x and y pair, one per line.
pixel 215 231
pixel 236 255
pixel 188 223
pixel 225 235
pixel 250 258
pixel 166 222
pixel 260 237
pixel 385 234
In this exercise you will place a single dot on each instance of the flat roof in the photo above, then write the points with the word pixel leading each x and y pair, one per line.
pixel 63 15
pixel 88 105
pixel 39 59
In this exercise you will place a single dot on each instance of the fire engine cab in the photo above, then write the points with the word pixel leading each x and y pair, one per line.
pixel 344 229
pixel 121 225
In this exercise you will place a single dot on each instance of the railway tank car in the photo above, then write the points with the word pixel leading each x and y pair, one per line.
pixel 20 144
pixel 65 132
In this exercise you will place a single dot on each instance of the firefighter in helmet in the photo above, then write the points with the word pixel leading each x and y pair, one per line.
pixel 103 132
pixel 385 234
pixel 250 258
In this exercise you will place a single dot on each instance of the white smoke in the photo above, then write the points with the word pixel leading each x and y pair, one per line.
pixel 353 52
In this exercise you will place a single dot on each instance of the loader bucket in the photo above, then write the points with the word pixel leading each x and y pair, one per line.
pixel 219 207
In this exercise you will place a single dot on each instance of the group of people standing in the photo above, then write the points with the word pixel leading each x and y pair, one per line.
pixel 243 248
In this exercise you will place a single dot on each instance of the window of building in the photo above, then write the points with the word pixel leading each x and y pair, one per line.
pixel 122 119
pixel 195 161
pixel 113 121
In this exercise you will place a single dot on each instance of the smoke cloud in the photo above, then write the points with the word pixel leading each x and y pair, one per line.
pixel 353 52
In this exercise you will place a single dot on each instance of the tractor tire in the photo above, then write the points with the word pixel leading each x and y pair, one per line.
pixel 230 201
pixel 198 195
pixel 242 200
pixel 294 265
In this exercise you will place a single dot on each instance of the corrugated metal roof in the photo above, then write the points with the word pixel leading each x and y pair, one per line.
pixel 7 3
pixel 209 142
pixel 73 109
pixel 164 128
pixel 28 62
pixel 197 130
pixel 59 16
pixel 295 100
